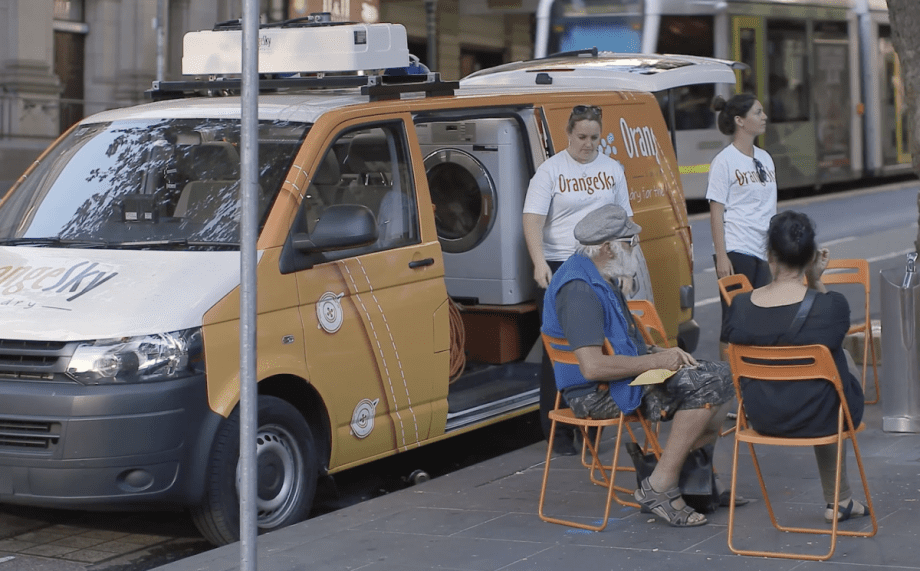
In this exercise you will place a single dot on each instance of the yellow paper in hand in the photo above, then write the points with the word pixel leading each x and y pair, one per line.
pixel 652 377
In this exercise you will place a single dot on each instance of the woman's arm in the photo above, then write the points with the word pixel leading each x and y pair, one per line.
pixel 533 235
pixel 717 223
pixel 815 270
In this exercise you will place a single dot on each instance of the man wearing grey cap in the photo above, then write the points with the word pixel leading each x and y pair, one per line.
pixel 584 307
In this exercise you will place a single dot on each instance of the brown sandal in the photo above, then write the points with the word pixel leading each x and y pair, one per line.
pixel 661 504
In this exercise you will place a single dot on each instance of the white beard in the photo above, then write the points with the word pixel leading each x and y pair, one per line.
pixel 623 267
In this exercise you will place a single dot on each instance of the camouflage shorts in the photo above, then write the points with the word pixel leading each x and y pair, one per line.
pixel 706 385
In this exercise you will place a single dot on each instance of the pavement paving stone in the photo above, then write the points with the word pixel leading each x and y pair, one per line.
pixel 21 562
pixel 48 550
pixel 104 534
pixel 15 545
pixel 88 556
pixel 77 541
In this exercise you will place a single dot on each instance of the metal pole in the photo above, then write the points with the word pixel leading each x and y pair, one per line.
pixel 248 231
pixel 162 19
pixel 431 21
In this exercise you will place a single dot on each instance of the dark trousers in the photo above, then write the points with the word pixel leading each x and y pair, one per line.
pixel 548 382
pixel 756 270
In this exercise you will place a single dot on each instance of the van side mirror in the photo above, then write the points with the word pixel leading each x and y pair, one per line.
pixel 341 226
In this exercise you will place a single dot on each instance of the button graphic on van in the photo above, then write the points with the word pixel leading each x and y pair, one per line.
pixel 329 311
pixel 362 420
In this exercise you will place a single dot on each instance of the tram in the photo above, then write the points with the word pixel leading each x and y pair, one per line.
pixel 825 70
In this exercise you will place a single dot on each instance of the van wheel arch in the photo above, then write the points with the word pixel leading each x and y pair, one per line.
pixel 305 398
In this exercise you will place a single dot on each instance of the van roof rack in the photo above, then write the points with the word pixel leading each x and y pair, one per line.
pixel 376 87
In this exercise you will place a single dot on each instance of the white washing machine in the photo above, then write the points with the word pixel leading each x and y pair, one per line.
pixel 478 177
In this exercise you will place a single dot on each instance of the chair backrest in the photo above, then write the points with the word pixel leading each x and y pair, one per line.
pixel 648 320
pixel 559 351
pixel 732 285
pixel 787 363
pixel 852 271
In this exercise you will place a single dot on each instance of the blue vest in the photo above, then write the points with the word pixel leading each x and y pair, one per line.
pixel 616 328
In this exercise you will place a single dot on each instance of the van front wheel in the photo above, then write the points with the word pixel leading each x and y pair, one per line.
pixel 287 473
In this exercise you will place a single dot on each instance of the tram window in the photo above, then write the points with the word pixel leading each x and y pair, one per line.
pixel 748 44
pixel 787 81
pixel 686 35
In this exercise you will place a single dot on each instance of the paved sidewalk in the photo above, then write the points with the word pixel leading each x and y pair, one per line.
pixel 484 518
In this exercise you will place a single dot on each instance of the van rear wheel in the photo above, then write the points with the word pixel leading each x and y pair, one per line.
pixel 287 472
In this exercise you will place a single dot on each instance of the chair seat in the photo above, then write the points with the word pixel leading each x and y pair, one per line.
pixel 568 417
pixel 754 437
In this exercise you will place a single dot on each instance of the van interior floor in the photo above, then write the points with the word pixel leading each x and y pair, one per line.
pixel 483 384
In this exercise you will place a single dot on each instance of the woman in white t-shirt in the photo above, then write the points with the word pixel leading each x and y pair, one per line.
pixel 565 188
pixel 741 193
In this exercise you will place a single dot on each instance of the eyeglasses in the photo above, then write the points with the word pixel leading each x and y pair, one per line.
pixel 761 172
pixel 586 109
pixel 633 240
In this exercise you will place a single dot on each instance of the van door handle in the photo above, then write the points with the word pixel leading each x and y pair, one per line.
pixel 421 263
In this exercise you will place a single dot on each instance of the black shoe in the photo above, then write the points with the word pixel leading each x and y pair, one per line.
pixel 563 446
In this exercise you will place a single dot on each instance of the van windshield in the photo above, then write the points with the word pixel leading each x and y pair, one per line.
pixel 167 183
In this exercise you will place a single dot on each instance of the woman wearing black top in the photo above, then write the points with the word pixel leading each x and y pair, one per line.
pixel 763 317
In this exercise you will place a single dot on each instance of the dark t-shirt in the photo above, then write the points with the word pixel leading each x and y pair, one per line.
pixel 801 408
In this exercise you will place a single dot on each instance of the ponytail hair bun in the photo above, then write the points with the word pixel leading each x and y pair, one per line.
pixel 791 239
pixel 737 106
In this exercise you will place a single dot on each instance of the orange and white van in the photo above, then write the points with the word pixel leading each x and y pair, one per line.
pixel 396 305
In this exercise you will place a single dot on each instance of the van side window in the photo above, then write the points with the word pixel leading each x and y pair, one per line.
pixel 368 166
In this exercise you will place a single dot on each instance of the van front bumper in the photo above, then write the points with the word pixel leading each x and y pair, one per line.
pixel 105 446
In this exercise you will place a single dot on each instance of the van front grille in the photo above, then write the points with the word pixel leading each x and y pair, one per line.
pixel 35 360
pixel 22 435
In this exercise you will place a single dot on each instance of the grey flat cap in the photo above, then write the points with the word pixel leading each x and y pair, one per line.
pixel 606 223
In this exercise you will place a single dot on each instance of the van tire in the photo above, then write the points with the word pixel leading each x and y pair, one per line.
pixel 287 473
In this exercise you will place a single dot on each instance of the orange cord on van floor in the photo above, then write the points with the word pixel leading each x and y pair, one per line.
pixel 457 342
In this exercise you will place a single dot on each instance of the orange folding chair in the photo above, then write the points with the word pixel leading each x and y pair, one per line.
pixel 649 322
pixel 856 271
pixel 559 352
pixel 732 285
pixel 776 364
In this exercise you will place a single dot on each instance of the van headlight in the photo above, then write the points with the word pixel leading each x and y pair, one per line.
pixel 141 359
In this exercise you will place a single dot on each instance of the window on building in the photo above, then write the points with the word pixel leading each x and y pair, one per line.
pixel 473 59
pixel 70 59
pixel 274 10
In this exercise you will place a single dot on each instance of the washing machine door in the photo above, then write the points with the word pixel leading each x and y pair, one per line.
pixel 464 198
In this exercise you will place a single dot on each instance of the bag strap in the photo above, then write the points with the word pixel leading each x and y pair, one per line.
pixel 799 319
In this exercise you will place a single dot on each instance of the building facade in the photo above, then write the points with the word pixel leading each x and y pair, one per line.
pixel 65 59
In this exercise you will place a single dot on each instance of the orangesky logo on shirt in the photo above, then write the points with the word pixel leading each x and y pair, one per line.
pixel 750 177
pixel 589 184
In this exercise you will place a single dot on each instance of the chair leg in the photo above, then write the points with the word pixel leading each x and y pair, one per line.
pixel 615 467
pixel 834 531
pixel 550 519
pixel 871 341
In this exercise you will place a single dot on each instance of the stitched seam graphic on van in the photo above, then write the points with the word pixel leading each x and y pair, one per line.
pixel 300 173
pixel 402 372
pixel 383 359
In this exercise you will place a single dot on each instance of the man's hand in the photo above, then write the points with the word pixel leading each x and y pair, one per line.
pixel 673 359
